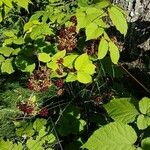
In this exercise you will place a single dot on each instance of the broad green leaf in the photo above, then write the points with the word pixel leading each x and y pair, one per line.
pixel 68 60
pixel 84 77
pixel 44 57
pixel 59 55
pixel 52 65
pixel 102 48
pixel 30 24
pixel 118 19
pixel 114 52
pixel 39 124
pixel 144 106
pixel 81 20
pixel 8 41
pixel 6 51
pixel 34 144
pixel 23 3
pixel 9 33
pixel 1 18
pixel 113 136
pixel 8 145
pixel 8 3
pixel 101 23
pixel 93 31
pixel 2 58
pixel 25 64
pixel 81 61
pixel 121 110
pixel 102 4
pixel 7 66
pixel 71 77
pixel 89 68
pixel 146 143
pixel 82 3
pixel 40 30
pixel 16 51
pixel 143 122
pixel 25 129
pixel 29 68
pixel 19 41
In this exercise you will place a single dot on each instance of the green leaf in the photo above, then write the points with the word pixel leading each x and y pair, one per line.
pixel 8 145
pixel 89 68
pixel 23 3
pixel 71 77
pixel 118 20
pixel 59 55
pixel 114 136
pixel 52 65
pixel 8 3
pixel 2 58
pixel 102 48
pixel 9 33
pixel 19 41
pixel 7 66
pixel 81 61
pixel 146 143
pixel 39 123
pixel 68 60
pixel 40 30
pixel 84 77
pixel 144 106
pixel 114 52
pixel 103 4
pixel 93 31
pixel 81 20
pixel 121 110
pixel 25 129
pixel 25 64
pixel 44 57
pixel 143 122
pixel 6 51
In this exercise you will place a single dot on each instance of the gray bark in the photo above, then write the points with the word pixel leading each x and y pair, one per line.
pixel 137 42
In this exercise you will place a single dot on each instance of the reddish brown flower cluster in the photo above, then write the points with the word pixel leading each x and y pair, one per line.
pixel 67 39
pixel 92 47
pixel 73 19
pixel 43 112
pixel 40 80
pixel 26 107
pixel 59 83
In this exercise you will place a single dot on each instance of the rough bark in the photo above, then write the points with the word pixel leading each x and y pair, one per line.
pixel 137 42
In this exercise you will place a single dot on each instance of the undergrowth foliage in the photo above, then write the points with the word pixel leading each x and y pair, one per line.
pixel 60 78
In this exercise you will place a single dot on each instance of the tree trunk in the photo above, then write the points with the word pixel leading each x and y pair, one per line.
pixel 137 42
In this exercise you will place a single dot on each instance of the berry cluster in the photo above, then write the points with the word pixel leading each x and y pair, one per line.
pixel 67 38
pixel 43 112
pixel 40 80
pixel 26 107
pixel 92 47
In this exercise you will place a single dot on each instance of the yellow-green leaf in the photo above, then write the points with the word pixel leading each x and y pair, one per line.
pixel 84 77
pixel 102 48
pixel 44 57
pixel 118 20
pixel 114 52
pixel 59 55
pixel 93 31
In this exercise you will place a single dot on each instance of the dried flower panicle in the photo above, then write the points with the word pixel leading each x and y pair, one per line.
pixel 43 112
pixel 40 80
pixel 92 47
pixel 67 39
pixel 26 107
